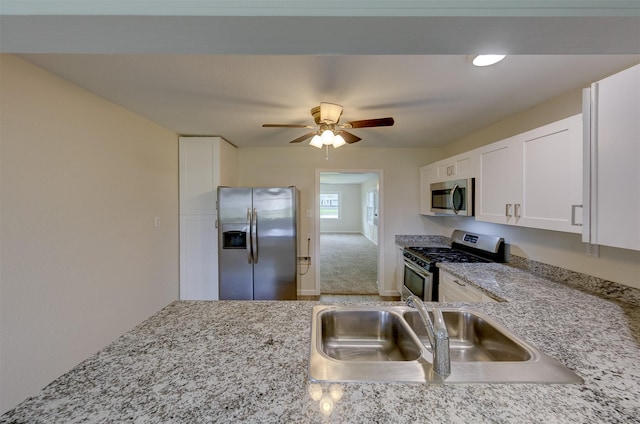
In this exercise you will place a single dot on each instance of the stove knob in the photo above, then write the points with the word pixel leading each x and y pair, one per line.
pixel 421 263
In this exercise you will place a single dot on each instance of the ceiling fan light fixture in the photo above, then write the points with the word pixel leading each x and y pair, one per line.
pixel 316 141
pixel 338 141
pixel 487 59
pixel 330 112
pixel 327 137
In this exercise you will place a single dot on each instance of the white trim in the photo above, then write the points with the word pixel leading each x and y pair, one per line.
pixel 316 222
pixel 339 194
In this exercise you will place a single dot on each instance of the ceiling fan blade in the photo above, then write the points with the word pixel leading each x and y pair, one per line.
pixel 348 137
pixel 286 126
pixel 367 123
pixel 303 137
pixel 330 112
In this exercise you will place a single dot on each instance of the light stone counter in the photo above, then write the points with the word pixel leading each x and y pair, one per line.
pixel 229 361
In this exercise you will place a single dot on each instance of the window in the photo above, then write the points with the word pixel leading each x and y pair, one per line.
pixel 329 205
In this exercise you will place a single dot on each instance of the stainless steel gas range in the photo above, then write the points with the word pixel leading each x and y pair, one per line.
pixel 420 270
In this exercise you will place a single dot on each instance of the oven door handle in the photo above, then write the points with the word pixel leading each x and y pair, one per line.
pixel 420 271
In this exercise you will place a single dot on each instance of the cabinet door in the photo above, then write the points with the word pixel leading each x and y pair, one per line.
pixel 534 179
pixel 199 175
pixel 614 167
pixel 499 178
pixel 451 289
pixel 552 177
pixel 198 257
pixel 427 176
pixel 456 167
pixel 445 170
pixel 464 166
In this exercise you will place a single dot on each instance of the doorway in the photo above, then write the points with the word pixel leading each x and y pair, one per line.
pixel 348 225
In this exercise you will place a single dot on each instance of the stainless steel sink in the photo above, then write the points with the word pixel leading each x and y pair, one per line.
pixel 361 344
pixel 368 335
pixel 473 338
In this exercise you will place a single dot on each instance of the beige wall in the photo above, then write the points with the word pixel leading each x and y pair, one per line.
pixel 297 165
pixel 559 107
pixel 551 247
pixel 350 220
pixel 81 261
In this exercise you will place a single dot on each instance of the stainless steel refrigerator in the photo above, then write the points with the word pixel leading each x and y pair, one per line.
pixel 257 239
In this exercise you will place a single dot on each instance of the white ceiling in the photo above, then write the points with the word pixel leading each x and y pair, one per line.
pixel 226 74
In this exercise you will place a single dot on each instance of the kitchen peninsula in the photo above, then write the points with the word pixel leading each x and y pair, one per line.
pixel 235 361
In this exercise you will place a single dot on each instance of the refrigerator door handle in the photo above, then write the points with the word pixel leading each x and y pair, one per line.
pixel 248 242
pixel 254 236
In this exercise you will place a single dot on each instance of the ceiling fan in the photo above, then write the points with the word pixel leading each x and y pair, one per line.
pixel 328 131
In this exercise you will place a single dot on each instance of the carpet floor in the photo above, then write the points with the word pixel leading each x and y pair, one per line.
pixel 348 264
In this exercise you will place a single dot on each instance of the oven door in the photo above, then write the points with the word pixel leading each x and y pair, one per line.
pixel 418 281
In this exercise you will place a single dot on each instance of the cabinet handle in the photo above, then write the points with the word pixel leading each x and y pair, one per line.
pixel 459 283
pixel 573 215
pixel 507 210
pixel 516 210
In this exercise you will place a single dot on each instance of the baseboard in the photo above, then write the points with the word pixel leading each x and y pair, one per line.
pixel 309 293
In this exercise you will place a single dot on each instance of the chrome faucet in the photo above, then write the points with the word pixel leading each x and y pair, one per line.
pixel 438 336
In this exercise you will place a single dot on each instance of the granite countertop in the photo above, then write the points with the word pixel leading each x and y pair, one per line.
pixel 234 361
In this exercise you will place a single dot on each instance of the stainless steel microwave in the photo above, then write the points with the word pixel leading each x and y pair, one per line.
pixel 453 197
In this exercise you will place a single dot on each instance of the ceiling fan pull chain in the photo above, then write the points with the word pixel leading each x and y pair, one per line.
pixel 326 149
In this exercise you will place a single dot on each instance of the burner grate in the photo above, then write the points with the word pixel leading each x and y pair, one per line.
pixel 445 254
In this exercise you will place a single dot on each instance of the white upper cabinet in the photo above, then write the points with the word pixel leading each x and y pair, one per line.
pixel 612 161
pixel 205 163
pixel 456 167
pixel 427 176
pixel 533 179
pixel 499 177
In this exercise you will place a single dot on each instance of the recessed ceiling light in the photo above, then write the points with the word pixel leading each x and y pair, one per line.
pixel 487 59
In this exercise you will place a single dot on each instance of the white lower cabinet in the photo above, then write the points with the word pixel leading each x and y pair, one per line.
pixel 453 289
pixel 533 179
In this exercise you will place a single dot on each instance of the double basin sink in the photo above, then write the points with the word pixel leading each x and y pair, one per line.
pixel 390 344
